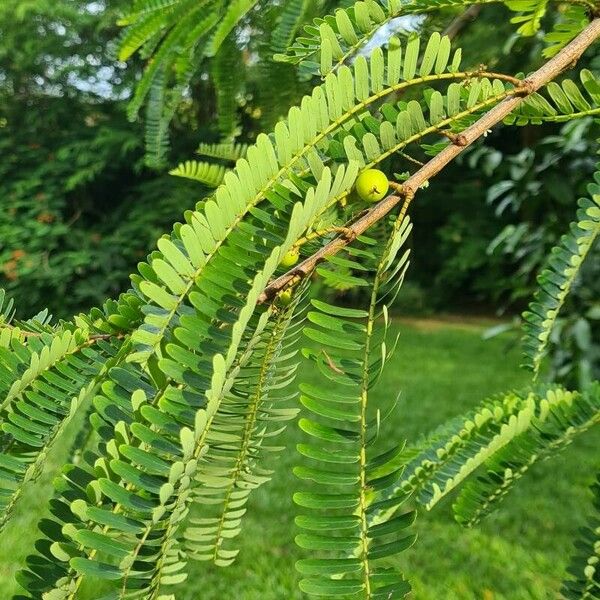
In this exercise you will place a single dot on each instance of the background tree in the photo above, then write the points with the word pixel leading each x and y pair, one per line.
pixel 72 179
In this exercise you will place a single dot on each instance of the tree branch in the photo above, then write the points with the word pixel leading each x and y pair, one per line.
pixel 565 59
pixel 462 21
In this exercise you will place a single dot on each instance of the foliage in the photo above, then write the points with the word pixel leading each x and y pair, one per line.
pixel 560 420
pixel 329 44
pixel 178 42
pixel 73 359
pixel 184 41
pixel 211 174
pixel 347 484
pixel 71 179
pixel 197 358
pixel 534 229
pixel 60 228
pixel 524 564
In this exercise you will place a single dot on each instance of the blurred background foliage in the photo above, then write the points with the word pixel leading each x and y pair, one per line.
pixel 81 207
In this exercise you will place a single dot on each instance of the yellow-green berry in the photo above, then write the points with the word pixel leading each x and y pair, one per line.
pixel 372 185
pixel 285 297
pixel 290 258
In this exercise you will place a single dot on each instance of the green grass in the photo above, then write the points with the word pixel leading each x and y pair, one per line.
pixel 519 553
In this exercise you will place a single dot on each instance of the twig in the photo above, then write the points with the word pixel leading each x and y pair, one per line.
pixel 90 340
pixel 462 21
pixel 107 336
pixel 323 232
pixel 409 158
pixel 331 364
pixel 566 58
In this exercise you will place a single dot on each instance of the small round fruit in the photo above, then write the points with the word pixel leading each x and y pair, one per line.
pixel 372 185
pixel 285 297
pixel 290 258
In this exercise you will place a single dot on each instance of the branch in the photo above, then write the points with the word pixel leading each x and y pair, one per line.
pixel 462 21
pixel 565 59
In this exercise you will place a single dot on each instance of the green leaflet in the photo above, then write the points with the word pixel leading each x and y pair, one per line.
pixel 346 487
pixel 557 278
pixel 6 308
pixel 124 314
pixel 209 174
pixel 198 241
pixel 562 417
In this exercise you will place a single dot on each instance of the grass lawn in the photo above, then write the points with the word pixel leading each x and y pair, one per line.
pixel 519 553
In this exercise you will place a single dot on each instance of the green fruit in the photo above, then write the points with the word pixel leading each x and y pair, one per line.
pixel 372 185
pixel 290 258
pixel 285 297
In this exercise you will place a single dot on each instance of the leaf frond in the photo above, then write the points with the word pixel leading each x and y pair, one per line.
pixel 290 20
pixel 57 379
pixel 209 174
pixel 251 415
pixel 226 62
pixel 443 459
pixel 158 419
pixel 557 279
pixel 347 471
pixel 236 10
pixel 330 42
pixel 224 151
pixel 562 418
